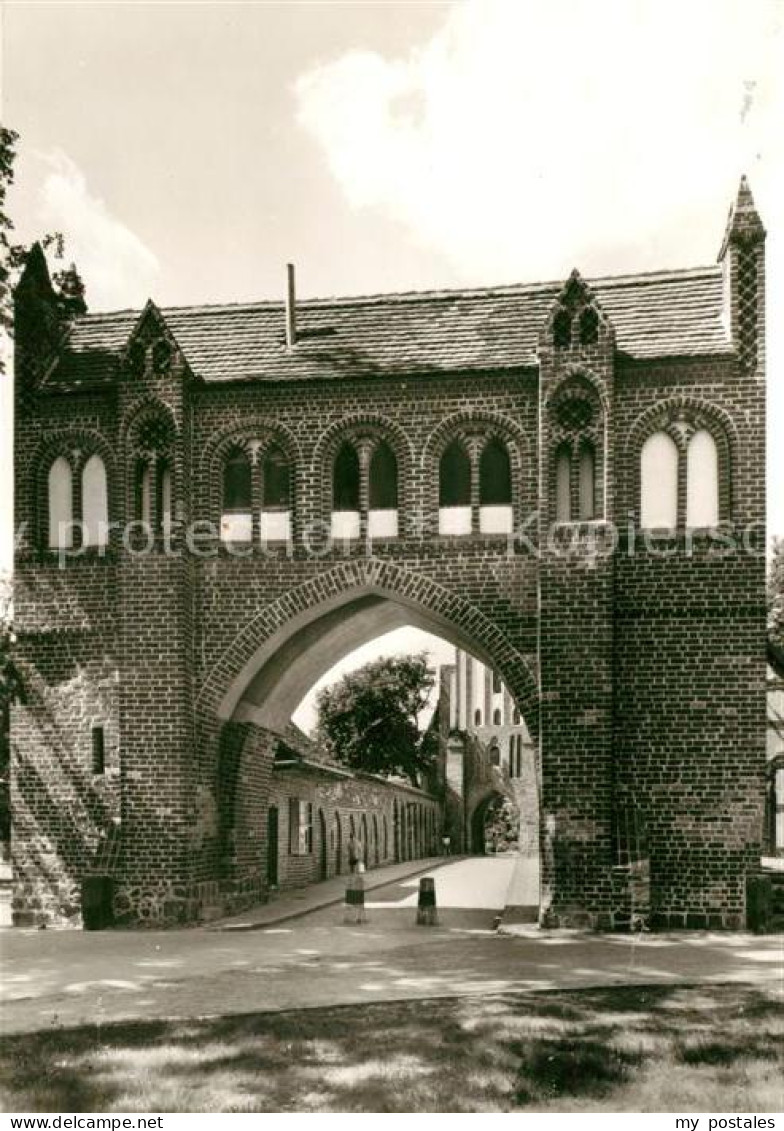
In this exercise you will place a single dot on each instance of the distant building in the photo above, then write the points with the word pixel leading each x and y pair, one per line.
pixel 489 754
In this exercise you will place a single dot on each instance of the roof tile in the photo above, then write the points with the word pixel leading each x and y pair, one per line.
pixel 659 315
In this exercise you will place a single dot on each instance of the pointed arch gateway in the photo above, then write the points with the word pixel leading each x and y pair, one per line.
pixel 275 659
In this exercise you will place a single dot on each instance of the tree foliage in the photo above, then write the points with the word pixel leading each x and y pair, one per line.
pixel 370 719
pixel 776 594
pixel 12 255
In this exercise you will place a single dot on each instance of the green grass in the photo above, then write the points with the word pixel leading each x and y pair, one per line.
pixel 663 1048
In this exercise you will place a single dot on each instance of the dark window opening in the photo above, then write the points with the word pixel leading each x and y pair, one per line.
pixel 562 329
pixel 99 752
pixel 477 717
pixel 495 754
pixel 383 479
pixel 516 718
pixel 589 327
pixel 496 717
pixel 345 480
pixel 237 483
pixel 276 476
pixel 455 477
pixel 496 683
pixel 495 478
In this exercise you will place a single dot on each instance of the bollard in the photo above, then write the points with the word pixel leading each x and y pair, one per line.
pixel 426 909
pixel 354 909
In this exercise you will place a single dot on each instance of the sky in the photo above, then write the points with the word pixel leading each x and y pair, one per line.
pixel 188 151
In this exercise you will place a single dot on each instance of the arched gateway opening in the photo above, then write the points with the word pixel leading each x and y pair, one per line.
pixel 495 826
pixel 268 669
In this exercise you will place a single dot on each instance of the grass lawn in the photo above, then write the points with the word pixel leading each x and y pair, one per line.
pixel 661 1048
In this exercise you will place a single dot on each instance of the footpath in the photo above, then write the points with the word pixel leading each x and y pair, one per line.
pixel 293 903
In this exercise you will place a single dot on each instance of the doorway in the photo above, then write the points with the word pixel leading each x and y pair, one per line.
pixel 322 827
pixel 272 846
pixel 338 846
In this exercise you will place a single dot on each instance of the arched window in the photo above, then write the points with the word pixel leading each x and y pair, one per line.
pixel 166 497
pixel 589 327
pixel 95 502
pixel 495 753
pixel 563 485
pixel 345 494
pixel 587 483
pixel 345 480
pixel 495 479
pixel 516 717
pixel 276 479
pixel 60 486
pixel 383 478
pixel 659 482
pixel 477 717
pixel 495 489
pixel 454 491
pixel 275 495
pixel 144 492
pixel 236 518
pixel 455 477
pixel 702 481
pixel 237 483
pixel 562 329
pixel 382 520
pixel 496 717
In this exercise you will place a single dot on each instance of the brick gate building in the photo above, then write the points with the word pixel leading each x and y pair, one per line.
pixel 215 503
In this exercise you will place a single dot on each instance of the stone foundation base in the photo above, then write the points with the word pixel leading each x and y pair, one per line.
pixel 157 906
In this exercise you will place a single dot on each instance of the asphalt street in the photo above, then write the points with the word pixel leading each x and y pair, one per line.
pixel 67 978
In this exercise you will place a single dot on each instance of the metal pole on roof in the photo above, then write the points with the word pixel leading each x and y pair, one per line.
pixel 291 307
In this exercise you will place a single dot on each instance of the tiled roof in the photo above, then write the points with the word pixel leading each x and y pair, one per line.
pixel 675 313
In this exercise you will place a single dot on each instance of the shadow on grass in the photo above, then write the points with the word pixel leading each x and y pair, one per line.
pixel 629 1048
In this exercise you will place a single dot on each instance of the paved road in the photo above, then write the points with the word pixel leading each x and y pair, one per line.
pixel 66 978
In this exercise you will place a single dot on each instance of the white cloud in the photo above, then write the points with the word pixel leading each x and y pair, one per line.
pixel 118 268
pixel 524 138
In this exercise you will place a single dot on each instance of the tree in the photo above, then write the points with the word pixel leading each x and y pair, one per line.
pixel 13 255
pixel 776 594
pixel 369 719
